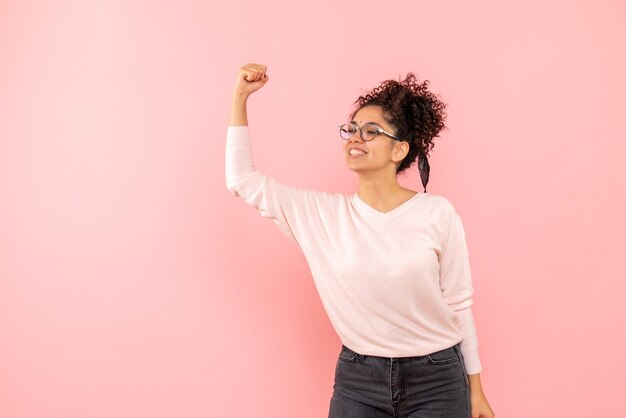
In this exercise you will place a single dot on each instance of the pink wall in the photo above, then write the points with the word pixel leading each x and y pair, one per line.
pixel 132 284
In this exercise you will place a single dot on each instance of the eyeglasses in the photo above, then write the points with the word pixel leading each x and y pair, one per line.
pixel 368 132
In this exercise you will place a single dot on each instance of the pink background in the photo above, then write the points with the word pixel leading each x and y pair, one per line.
pixel 132 284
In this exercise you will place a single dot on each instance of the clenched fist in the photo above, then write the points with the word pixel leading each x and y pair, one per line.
pixel 250 78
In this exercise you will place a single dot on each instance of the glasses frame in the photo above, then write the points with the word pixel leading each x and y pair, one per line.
pixel 379 131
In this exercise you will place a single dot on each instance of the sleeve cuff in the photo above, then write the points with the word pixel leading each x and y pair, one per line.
pixel 472 361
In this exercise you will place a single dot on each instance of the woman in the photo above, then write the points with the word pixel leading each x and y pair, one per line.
pixel 390 264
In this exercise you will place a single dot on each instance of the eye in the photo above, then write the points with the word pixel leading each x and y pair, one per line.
pixel 347 129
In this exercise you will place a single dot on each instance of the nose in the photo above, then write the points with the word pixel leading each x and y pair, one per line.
pixel 356 137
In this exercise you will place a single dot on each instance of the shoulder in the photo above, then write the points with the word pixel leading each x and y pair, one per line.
pixel 441 212
pixel 438 203
pixel 324 200
pixel 335 199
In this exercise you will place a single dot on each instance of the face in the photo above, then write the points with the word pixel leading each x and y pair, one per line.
pixel 381 152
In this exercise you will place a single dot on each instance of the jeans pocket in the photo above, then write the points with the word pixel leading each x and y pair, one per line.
pixel 442 357
pixel 347 355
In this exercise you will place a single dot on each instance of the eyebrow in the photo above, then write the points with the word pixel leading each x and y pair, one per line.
pixel 371 123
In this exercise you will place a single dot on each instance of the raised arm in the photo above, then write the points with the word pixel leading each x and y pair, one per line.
pixel 289 207
pixel 250 78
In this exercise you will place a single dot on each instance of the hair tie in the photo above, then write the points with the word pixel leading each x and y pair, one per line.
pixel 424 169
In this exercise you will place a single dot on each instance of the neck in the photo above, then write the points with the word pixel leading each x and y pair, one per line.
pixel 383 193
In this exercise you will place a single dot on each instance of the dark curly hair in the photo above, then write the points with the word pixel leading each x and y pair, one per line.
pixel 417 115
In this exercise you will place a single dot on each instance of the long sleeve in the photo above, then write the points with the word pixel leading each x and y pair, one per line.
pixel 283 204
pixel 456 285
pixel 469 345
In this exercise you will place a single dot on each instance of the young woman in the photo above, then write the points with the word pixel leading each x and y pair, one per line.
pixel 390 264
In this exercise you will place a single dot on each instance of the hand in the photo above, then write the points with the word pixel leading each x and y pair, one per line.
pixel 250 78
pixel 480 406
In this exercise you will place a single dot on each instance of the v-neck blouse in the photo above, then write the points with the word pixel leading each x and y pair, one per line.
pixel 393 284
pixel 385 215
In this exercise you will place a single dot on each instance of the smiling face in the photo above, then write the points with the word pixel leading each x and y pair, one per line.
pixel 382 151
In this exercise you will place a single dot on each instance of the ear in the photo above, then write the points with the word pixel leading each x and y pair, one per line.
pixel 401 150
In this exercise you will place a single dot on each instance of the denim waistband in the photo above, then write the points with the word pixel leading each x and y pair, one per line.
pixel 347 352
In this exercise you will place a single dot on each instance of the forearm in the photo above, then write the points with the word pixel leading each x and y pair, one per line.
pixel 474 381
pixel 238 113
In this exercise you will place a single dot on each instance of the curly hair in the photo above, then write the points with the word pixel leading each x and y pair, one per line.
pixel 416 114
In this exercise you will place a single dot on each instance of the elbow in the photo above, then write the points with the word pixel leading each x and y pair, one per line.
pixel 232 182
pixel 236 186
pixel 239 185
pixel 232 188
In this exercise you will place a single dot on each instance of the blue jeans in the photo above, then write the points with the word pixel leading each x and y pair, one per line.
pixel 428 386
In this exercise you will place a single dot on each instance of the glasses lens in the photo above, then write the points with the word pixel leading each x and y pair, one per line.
pixel 346 131
pixel 369 132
